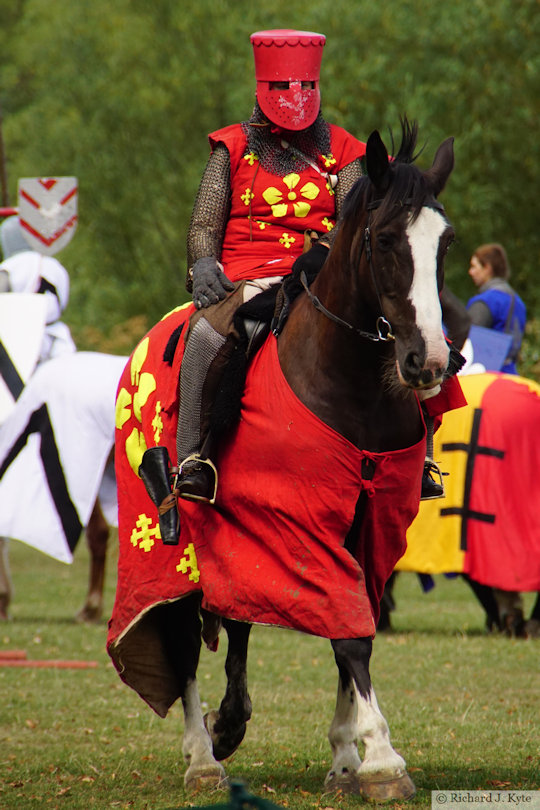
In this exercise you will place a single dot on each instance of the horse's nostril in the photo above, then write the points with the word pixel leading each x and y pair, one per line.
pixel 428 377
pixel 413 363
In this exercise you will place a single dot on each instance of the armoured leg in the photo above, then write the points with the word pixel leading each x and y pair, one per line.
pixel 210 346
pixel 197 475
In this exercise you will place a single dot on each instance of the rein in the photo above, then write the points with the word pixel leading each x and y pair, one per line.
pixel 384 328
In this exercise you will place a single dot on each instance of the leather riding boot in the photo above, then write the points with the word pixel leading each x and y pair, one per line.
pixel 432 482
pixel 197 479
pixel 155 475
pixel 431 488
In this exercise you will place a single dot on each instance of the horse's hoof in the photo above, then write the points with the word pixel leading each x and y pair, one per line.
pixel 532 628
pixel 91 612
pixel 513 623
pixel 223 745
pixel 345 782
pixel 401 787
pixel 88 616
pixel 205 777
pixel 391 790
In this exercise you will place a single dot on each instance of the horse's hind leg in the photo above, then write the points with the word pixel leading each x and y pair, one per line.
pixel 181 631
pixel 486 597
pixel 532 625
pixel 227 726
pixel 97 536
pixel 6 588
pixel 382 775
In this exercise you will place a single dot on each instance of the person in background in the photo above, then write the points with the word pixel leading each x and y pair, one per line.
pixel 496 305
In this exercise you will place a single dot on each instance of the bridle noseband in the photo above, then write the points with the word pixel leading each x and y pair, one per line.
pixel 383 326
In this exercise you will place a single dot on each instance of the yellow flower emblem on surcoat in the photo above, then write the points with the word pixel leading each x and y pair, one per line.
pixel 279 201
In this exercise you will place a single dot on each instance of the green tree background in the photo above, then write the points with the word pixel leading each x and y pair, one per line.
pixel 123 94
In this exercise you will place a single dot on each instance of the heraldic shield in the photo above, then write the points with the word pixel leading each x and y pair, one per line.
pixel 48 212
pixel 22 324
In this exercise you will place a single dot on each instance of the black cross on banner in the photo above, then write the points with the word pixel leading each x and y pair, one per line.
pixel 473 450
pixel 9 373
pixel 40 423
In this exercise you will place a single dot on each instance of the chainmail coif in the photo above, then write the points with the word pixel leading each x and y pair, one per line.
pixel 267 145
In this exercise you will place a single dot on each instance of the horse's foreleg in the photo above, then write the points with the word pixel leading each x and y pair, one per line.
pixel 6 588
pixel 97 536
pixel 227 726
pixel 203 770
pixel 382 774
pixel 181 631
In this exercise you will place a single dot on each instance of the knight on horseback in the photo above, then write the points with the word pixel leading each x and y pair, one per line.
pixel 273 188
pixel 267 206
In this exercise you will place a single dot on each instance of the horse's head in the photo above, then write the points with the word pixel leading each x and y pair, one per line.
pixel 405 243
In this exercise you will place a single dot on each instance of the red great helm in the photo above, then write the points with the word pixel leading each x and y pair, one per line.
pixel 287 70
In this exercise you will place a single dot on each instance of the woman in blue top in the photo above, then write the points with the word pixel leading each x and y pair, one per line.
pixel 497 306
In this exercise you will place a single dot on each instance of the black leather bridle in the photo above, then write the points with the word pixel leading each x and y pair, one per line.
pixel 384 328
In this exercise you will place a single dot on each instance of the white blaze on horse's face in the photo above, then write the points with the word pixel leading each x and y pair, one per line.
pixel 424 235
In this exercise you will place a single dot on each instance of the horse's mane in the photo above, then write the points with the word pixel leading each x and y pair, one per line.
pixel 407 183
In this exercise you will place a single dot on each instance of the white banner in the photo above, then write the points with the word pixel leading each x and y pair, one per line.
pixel 22 324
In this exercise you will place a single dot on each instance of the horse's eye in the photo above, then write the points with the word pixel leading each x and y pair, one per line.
pixel 385 241
pixel 448 244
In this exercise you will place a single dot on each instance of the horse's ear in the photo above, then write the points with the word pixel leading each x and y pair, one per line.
pixel 443 163
pixel 377 162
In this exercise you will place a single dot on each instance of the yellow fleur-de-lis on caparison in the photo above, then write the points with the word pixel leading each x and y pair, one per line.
pixel 144 384
pixel 279 201
pixel 131 402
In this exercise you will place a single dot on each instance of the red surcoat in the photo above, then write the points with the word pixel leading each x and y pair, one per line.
pixel 269 214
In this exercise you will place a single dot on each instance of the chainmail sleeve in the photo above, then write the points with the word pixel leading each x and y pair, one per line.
pixel 347 177
pixel 210 211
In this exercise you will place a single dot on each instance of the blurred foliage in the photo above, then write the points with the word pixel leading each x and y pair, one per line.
pixel 123 96
pixel 529 362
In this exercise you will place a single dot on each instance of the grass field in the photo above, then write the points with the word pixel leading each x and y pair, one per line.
pixel 463 707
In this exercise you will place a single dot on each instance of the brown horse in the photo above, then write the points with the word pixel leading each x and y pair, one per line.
pixel 357 347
